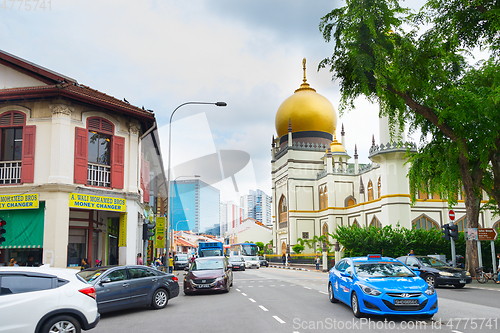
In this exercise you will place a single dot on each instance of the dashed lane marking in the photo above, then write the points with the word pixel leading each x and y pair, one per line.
pixel 324 292
pixel 252 300
pixel 307 288
pixel 279 319
pixel 243 294
pixel 237 289
pixel 263 308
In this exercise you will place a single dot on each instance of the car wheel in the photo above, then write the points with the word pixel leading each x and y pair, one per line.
pixel 228 286
pixel 62 324
pixel 331 294
pixel 355 305
pixel 160 299
pixel 459 286
pixel 431 280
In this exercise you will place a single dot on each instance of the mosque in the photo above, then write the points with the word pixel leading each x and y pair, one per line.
pixel 316 185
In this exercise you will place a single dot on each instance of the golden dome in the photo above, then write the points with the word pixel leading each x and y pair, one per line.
pixel 307 110
pixel 336 147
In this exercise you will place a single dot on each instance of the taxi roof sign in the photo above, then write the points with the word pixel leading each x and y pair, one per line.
pixel 374 256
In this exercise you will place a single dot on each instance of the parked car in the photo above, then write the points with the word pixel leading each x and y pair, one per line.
pixel 209 273
pixel 181 261
pixel 435 272
pixel 380 286
pixel 252 261
pixel 46 299
pixel 120 287
pixel 263 262
pixel 236 263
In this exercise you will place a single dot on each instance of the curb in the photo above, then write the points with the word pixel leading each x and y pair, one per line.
pixel 295 268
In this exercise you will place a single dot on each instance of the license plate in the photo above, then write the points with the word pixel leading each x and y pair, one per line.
pixel 461 281
pixel 203 286
pixel 406 302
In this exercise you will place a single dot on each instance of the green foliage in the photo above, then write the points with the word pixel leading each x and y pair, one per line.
pixel 297 248
pixel 260 245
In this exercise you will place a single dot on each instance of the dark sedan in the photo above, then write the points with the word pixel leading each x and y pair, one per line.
pixel 435 272
pixel 263 262
pixel 120 287
pixel 236 263
pixel 208 273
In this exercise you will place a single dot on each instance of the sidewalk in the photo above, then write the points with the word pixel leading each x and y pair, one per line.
pixel 297 267
pixel 488 285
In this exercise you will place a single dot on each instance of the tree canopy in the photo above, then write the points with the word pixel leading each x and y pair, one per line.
pixel 428 79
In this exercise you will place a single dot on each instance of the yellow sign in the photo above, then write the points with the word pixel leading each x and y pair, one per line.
pixel 89 201
pixel 19 201
pixel 122 236
pixel 160 233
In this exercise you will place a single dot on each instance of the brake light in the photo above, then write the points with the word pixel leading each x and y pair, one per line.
pixel 374 256
pixel 89 291
pixel 175 278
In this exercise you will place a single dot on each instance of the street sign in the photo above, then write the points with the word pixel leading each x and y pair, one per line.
pixel 486 234
pixel 451 215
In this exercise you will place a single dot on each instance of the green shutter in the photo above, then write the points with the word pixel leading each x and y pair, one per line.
pixel 24 228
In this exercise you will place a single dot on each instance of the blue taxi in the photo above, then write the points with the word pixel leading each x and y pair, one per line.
pixel 381 286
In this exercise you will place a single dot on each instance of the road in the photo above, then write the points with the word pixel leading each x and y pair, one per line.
pixel 276 300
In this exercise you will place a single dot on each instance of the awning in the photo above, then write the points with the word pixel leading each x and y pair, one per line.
pixel 24 228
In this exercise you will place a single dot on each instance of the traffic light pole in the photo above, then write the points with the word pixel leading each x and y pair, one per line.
pixel 453 253
pixel 479 253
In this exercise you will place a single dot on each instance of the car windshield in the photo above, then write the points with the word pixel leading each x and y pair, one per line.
pixel 204 265
pixel 91 275
pixel 183 257
pixel 431 262
pixel 382 269
pixel 236 259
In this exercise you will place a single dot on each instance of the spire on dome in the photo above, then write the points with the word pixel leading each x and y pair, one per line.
pixel 342 132
pixel 274 143
pixel 356 151
pixel 304 85
pixel 289 124
pixel 373 140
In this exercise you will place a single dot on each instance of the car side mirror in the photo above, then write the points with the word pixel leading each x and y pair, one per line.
pixel 415 265
pixel 105 280
pixel 344 274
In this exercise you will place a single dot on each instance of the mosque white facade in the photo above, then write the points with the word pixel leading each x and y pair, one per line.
pixel 317 186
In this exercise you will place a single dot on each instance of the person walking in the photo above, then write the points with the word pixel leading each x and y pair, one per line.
pixel 289 259
pixel 139 259
pixel 171 264
pixel 85 264
pixel 498 268
pixel 283 258
pixel 316 261
pixel 411 253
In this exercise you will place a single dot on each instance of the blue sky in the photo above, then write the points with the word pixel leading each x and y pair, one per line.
pixel 160 54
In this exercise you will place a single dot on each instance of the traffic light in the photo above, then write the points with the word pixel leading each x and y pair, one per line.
pixel 446 231
pixel 146 231
pixel 453 231
pixel 2 231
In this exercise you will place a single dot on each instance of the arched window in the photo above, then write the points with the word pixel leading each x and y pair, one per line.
pixel 379 186
pixel 355 224
pixel 325 230
pixel 424 222
pixel 370 191
pixel 375 223
pixel 282 211
pixel 351 202
pixel 321 198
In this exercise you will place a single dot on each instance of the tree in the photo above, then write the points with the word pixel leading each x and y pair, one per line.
pixel 297 248
pixel 260 245
pixel 424 80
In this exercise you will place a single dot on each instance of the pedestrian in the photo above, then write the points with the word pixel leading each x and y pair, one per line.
pixel 411 253
pixel 170 264
pixel 139 259
pixel 498 267
pixel 85 264
pixel 289 258
pixel 316 261
pixel 30 262
pixel 283 258
pixel 13 262
pixel 98 263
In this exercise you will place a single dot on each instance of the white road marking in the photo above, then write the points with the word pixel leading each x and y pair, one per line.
pixel 324 292
pixel 307 288
pixel 250 286
pixel 243 294
pixel 279 319
pixel 455 331
pixel 282 285
pixel 261 286
pixel 237 289
pixel 263 308
pixel 252 300
pixel 272 285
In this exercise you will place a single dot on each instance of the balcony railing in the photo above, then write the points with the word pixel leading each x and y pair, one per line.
pixel 10 172
pixel 98 175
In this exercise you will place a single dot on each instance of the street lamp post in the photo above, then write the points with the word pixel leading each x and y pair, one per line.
pixel 170 157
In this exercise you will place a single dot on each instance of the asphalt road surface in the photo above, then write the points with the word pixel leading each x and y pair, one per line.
pixel 277 300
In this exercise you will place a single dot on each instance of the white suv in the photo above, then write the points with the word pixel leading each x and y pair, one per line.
pixel 45 299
